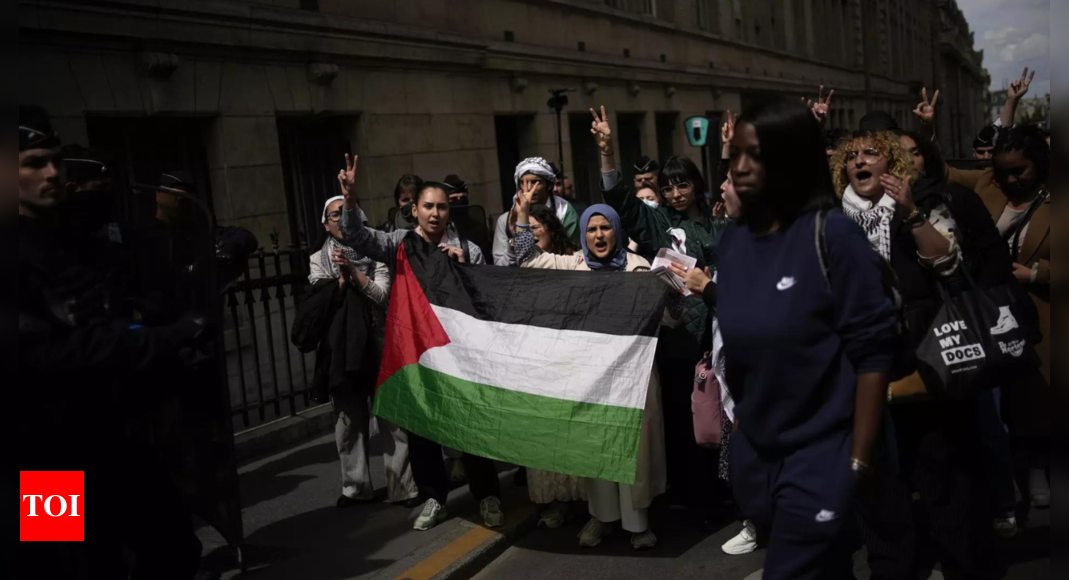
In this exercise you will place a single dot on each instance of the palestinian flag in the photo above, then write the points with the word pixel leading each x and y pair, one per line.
pixel 541 368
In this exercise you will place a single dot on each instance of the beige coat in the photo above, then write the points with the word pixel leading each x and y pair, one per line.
pixel 1030 400
pixel 651 478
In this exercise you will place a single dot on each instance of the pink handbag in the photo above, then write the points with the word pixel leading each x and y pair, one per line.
pixel 706 405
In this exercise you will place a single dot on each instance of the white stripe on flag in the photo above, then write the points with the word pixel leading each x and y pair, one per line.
pixel 571 365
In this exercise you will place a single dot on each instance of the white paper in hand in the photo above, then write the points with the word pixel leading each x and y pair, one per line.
pixel 660 268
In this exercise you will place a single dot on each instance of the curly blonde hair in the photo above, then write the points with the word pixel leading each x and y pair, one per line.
pixel 887 143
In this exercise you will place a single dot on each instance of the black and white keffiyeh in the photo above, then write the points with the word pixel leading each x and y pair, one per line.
pixel 874 219
pixel 362 263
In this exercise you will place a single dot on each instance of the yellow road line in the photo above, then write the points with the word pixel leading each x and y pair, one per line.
pixel 462 546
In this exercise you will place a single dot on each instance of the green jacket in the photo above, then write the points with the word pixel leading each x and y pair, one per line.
pixel 664 227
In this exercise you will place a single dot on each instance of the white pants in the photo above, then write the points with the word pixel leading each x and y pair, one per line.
pixel 611 502
pixel 353 428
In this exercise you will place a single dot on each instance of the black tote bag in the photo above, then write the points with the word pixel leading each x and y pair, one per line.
pixel 978 340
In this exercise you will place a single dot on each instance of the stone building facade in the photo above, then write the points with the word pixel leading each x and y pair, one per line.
pixel 260 98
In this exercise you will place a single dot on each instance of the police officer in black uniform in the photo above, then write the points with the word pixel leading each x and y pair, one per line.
pixel 74 352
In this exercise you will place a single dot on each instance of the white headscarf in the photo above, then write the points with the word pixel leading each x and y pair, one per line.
pixel 875 219
pixel 535 166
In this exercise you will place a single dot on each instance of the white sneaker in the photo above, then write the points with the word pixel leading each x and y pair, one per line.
pixel 433 514
pixel 1039 488
pixel 490 510
pixel 644 541
pixel 593 533
pixel 1006 528
pixel 744 543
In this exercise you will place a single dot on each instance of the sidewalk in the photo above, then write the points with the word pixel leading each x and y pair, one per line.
pixel 293 530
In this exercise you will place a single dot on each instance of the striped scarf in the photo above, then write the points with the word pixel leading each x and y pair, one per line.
pixel 362 263
pixel 874 219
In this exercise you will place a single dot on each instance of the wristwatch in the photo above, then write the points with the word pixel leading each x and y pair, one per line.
pixel 917 219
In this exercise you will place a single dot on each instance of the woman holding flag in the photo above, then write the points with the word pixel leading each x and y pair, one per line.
pixel 603 241
pixel 428 467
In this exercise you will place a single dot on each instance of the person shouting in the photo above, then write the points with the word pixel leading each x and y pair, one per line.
pixel 604 251
pixel 432 214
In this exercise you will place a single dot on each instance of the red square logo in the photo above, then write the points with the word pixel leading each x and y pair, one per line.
pixel 53 506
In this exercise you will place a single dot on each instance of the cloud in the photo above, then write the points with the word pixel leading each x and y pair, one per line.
pixel 1014 35
pixel 1034 46
pixel 999 37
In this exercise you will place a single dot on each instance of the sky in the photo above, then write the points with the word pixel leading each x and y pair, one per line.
pixel 1014 34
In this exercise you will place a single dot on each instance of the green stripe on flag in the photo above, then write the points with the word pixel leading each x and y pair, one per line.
pixel 588 440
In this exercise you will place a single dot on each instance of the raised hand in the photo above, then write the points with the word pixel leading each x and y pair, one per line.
pixel 1019 87
pixel 926 109
pixel 899 190
pixel 601 131
pixel 727 132
pixel 822 107
pixel 347 179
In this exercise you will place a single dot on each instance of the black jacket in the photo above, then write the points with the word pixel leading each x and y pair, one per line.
pixel 341 329
pixel 983 251
pixel 74 352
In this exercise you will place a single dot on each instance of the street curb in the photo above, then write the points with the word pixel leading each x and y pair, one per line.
pixel 283 434
pixel 482 556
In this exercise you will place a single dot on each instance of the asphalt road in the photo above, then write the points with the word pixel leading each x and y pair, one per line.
pixel 293 530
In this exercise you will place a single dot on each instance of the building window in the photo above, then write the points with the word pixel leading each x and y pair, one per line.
pixel 310 5
pixel 617 4
pixel 510 36
pixel 738 28
pixel 627 53
pixel 308 146
pixel 582 46
pixel 649 7
pixel 709 15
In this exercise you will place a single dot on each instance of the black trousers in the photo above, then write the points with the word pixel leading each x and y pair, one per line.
pixel 940 458
pixel 428 469
pixel 692 470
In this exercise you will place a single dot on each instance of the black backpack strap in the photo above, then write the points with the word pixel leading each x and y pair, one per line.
pixel 821 243
pixel 1019 225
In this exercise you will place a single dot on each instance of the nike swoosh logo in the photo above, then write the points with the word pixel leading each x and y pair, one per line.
pixel 786 284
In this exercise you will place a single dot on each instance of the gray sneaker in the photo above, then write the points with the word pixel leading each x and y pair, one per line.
pixel 644 541
pixel 433 514
pixel 1006 527
pixel 594 533
pixel 490 510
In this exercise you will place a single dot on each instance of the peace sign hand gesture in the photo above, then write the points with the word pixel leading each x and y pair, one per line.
pixel 925 109
pixel 347 180
pixel 822 107
pixel 601 131
pixel 1019 87
pixel 727 132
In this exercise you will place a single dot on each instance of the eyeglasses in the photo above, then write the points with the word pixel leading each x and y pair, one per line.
pixel 682 188
pixel 334 216
pixel 868 153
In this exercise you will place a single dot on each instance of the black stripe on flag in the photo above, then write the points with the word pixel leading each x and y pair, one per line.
pixel 616 303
